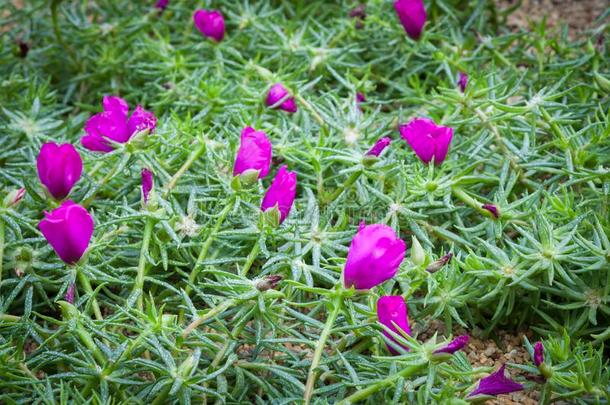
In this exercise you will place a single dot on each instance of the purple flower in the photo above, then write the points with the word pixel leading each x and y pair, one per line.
pixel 412 15
pixel 147 184
pixel 254 153
pixel 210 23
pixel 427 139
pixel 379 146
pixel 538 354
pixel 496 384
pixel 59 168
pixel 462 81
pixel 281 193
pixel 68 229
pixel 113 124
pixel 277 93
pixel 392 309
pixel 374 257
pixel 455 345
pixel 69 297
pixel 161 4
pixel 492 209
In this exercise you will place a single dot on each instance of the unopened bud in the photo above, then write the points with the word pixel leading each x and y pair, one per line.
pixel 267 282
pixel 418 256
pixel 437 265
pixel 14 197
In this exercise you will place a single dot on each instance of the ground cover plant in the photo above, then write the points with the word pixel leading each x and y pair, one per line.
pixel 302 202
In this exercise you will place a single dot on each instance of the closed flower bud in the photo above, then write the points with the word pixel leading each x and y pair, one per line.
pixel 114 124
pixel 210 23
pixel 254 154
pixel 374 257
pixel 161 4
pixel 69 297
pixel 496 384
pixel 13 198
pixel 462 81
pixel 428 140
pixel 281 193
pixel 418 255
pixel 437 265
pixel 59 168
pixel 392 313
pixel 456 344
pixel 379 146
pixel 493 210
pixel 538 354
pixel 412 15
pixel 68 229
pixel 267 282
pixel 147 184
pixel 360 98
pixel 279 94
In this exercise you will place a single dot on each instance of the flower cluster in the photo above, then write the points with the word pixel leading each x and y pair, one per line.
pixel 376 251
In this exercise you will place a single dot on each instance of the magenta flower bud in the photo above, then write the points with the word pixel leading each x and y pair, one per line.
pixel 428 140
pixel 374 257
pixel 210 23
pixel 392 312
pixel 492 209
pixel 538 354
pixel 59 168
pixel 114 125
pixel 254 153
pixel 147 184
pixel 462 81
pixel 379 146
pixel 496 384
pixel 276 94
pixel 281 193
pixel 69 297
pixel 161 4
pixel 412 15
pixel 68 229
pixel 456 344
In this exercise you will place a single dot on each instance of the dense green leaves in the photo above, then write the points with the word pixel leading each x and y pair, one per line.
pixel 531 137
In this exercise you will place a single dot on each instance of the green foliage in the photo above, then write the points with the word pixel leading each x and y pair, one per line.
pixel 532 136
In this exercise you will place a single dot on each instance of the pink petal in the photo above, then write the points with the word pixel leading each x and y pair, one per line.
pixel 68 229
pixel 392 309
pixel 141 120
pixel 374 257
pixel 254 153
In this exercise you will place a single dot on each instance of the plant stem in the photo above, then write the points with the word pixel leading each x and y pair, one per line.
pixel 348 183
pixel 251 257
pixel 371 389
pixel 210 314
pixel 315 361
pixel 208 242
pixel 189 162
pixel 82 277
pixel 473 203
pixel 310 108
pixel 109 367
pixel 120 163
pixel 139 283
